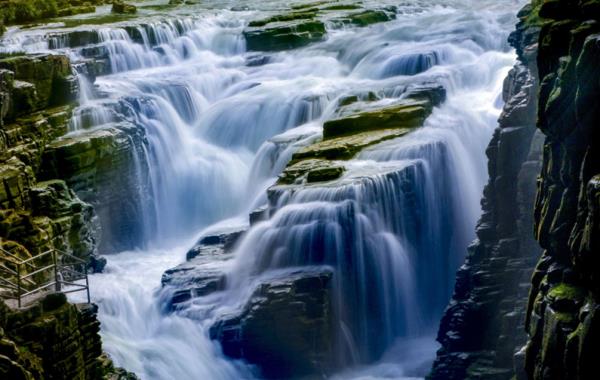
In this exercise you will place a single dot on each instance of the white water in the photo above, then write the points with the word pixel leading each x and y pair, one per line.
pixel 406 214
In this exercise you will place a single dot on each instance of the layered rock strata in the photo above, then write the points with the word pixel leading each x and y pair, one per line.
pixel 54 339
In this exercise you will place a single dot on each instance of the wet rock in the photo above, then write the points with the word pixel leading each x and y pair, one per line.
pixel 199 276
pixel 292 16
pixel 346 147
pixel 73 38
pixel 368 17
pixel 285 327
pixel 405 114
pixel 225 239
pixel 284 36
pixel 100 165
pixel 123 8
pixel 203 272
pixel 258 215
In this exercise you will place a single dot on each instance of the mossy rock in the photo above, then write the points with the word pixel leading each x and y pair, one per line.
pixel 70 11
pixel 406 114
pixel 346 147
pixel 73 38
pixel 123 8
pixel 284 36
pixel 368 17
pixel 566 298
pixel 49 73
pixel 311 170
pixel 310 5
pixel 284 17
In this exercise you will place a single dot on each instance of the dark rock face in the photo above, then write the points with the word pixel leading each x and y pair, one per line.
pixel 284 327
pixel 293 306
pixel 561 318
pixel 53 340
pixel 107 168
pixel 202 273
pixel 481 329
pixel 562 315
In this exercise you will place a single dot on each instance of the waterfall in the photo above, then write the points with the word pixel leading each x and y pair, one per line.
pixel 220 125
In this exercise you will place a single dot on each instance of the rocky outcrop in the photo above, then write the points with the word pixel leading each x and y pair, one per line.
pixel 359 124
pixel 290 306
pixel 293 307
pixel 203 272
pixel 563 311
pixel 304 24
pixel 37 92
pixel 481 330
pixel 53 339
pixel 106 167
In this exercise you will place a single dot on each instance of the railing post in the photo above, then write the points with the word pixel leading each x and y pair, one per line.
pixel 19 284
pixel 87 283
pixel 56 281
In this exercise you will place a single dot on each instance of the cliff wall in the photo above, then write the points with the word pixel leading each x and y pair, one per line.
pixel 510 316
pixel 482 325
pixel 563 315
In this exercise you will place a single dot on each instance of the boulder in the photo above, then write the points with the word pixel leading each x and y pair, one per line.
pixel 203 272
pixel 285 328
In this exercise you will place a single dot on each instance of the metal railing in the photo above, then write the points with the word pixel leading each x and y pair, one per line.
pixel 47 271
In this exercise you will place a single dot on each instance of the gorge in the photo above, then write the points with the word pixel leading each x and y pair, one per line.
pixel 331 189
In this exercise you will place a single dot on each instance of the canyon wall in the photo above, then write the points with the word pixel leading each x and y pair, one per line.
pixel 563 315
pixel 43 179
pixel 489 329
pixel 483 323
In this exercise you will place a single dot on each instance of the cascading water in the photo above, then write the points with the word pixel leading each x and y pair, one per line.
pixel 221 124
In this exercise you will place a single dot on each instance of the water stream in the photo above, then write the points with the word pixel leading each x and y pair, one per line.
pixel 222 123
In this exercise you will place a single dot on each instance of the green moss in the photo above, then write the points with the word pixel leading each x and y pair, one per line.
pixel 325 174
pixel 346 147
pixel 566 291
pixel 341 7
pixel 284 36
pixel 533 18
pixel 408 114
pixel 370 17
pixel 123 8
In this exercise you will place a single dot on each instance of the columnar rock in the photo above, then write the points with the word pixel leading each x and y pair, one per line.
pixel 563 314
pixel 481 329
